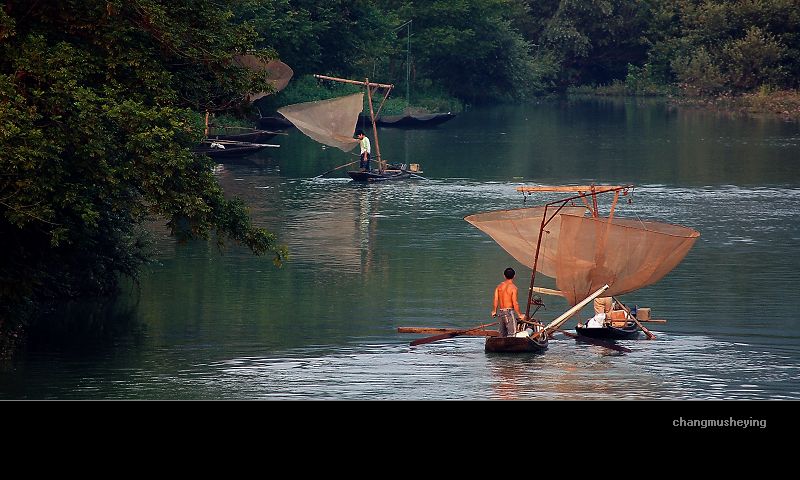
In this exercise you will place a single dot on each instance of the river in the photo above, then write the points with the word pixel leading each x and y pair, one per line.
pixel 366 259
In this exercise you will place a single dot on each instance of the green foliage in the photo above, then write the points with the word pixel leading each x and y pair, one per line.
pixel 742 44
pixel 698 74
pixel 98 111
pixel 306 88
pixel 591 41
pixel 644 81
pixel 311 36
pixel 753 60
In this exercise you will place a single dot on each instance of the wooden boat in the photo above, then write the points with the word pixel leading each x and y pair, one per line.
pixel 231 149
pixel 629 331
pixel 582 252
pixel 516 344
pixel 422 120
pixel 378 176
pixel 392 172
pixel 333 121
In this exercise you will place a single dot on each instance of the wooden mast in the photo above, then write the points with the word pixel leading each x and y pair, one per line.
pixel 374 126
pixel 366 83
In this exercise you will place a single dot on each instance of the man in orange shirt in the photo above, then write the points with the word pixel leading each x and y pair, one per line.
pixel 506 305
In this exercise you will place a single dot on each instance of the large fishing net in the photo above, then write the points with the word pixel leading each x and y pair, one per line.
pixel 584 253
pixel 626 254
pixel 331 122
pixel 517 231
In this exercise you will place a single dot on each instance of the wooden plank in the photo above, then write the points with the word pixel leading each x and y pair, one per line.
pixel 474 333
pixel 576 188
pixel 444 336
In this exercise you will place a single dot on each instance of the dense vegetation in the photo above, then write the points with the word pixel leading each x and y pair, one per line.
pixel 99 105
pixel 100 100
pixel 499 50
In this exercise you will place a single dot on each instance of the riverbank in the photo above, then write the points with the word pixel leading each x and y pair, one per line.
pixel 784 103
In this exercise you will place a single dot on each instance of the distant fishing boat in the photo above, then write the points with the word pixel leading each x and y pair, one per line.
pixel 333 122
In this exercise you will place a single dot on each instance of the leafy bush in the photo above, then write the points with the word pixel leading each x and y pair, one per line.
pixel 698 74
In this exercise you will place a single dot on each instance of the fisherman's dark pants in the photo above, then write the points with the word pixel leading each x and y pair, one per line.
pixel 507 322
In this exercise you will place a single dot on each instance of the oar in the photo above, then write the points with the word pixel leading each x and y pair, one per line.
pixel 596 341
pixel 337 168
pixel 647 332
pixel 444 336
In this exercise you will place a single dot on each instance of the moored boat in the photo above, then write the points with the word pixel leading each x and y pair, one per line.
pixel 411 120
pixel 229 149
pixel 255 136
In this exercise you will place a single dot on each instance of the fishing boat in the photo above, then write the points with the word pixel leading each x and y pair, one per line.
pixel 627 331
pixel 333 122
pixel 524 344
pixel 587 254
pixel 617 324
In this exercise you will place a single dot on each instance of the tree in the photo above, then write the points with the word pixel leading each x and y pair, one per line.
pixel 98 110
pixel 745 43
pixel 472 48
pixel 312 36
pixel 593 40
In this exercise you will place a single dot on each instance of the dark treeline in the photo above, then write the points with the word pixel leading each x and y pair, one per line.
pixel 495 50
pixel 101 100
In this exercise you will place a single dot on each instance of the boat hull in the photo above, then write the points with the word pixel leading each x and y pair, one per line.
pixel 515 345
pixel 629 332
pixel 375 176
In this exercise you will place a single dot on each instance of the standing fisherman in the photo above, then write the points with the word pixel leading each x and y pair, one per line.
pixel 506 305
pixel 363 142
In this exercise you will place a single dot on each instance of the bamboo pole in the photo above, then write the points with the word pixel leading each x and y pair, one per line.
pixel 555 324
pixel 355 82
pixel 647 332
pixel 473 333
pixel 374 127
